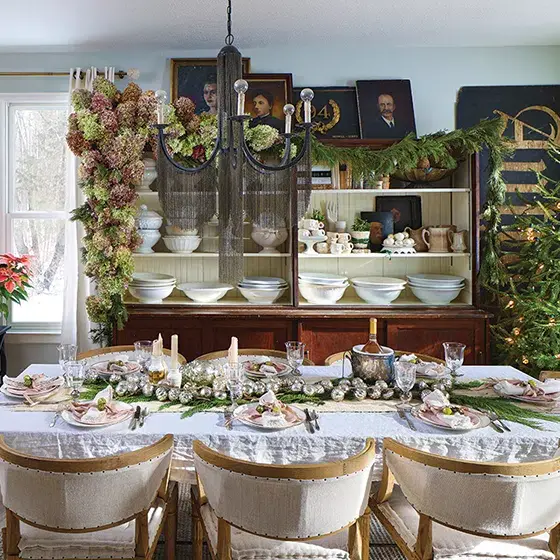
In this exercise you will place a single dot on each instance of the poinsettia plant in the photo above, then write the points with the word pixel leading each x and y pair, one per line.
pixel 14 280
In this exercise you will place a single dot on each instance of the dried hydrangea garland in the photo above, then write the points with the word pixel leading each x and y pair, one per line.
pixel 109 130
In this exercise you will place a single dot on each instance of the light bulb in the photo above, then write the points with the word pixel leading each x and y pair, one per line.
pixel 161 96
pixel 307 94
pixel 240 86
pixel 289 109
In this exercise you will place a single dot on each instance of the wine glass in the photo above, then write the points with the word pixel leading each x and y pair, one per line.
pixel 454 356
pixel 234 381
pixel 295 352
pixel 405 377
pixel 143 352
pixel 66 353
pixel 75 373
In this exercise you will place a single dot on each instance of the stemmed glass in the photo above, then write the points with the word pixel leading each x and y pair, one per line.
pixel 66 353
pixel 143 352
pixel 75 373
pixel 454 356
pixel 405 377
pixel 234 382
pixel 295 352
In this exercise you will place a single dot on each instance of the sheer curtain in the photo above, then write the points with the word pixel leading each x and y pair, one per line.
pixel 77 286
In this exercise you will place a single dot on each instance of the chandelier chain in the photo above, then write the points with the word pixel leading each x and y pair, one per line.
pixel 229 36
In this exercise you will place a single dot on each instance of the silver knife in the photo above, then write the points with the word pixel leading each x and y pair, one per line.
pixel 54 420
pixel 309 421
pixel 403 415
pixel 135 419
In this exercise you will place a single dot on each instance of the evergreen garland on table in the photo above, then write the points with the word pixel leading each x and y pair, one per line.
pixel 527 331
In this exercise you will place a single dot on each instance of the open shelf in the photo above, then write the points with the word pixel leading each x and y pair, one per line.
pixel 208 255
pixel 383 256
pixel 386 192
pixel 184 301
pixel 402 301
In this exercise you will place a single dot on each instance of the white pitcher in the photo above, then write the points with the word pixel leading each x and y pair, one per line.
pixel 457 240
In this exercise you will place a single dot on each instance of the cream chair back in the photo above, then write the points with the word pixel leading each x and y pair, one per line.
pixel 286 501
pixel 484 498
pixel 83 494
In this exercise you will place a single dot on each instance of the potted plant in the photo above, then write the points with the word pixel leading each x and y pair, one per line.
pixel 360 233
pixel 14 282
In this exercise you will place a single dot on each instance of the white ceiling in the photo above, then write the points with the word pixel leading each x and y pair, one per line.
pixel 200 24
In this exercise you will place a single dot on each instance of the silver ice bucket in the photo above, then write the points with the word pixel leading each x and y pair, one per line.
pixel 371 367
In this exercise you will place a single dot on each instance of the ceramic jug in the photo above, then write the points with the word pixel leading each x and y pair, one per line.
pixel 457 241
pixel 436 239
pixel 416 235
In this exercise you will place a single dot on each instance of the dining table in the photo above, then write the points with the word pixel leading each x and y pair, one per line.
pixel 340 434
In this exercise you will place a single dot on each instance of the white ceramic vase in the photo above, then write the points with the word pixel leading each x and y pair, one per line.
pixel 150 175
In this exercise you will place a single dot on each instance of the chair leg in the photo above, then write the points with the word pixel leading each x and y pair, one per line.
pixel 197 531
pixel 170 530
pixel 364 523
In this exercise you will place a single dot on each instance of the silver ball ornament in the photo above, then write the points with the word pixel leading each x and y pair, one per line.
pixel 374 393
pixel 296 387
pixel 381 384
pixel 220 395
pixel 219 384
pixel 359 393
pixel 344 385
pixel 133 378
pixel 319 389
pixel 205 392
pixel 439 386
pixel 422 385
pixel 337 394
pixel 358 382
pixel 90 376
pixel 174 394
pixel 248 388
pixel 388 394
pixel 327 384
pixel 132 388
pixel 161 394
pixel 260 388
pixel 309 390
pixel 425 393
pixel 271 386
pixel 447 383
pixel 122 388
pixel 148 390
pixel 115 378
pixel 185 397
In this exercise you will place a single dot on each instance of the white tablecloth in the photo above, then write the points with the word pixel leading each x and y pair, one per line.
pixel 341 434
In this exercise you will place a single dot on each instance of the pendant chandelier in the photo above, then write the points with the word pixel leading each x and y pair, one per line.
pixel 232 181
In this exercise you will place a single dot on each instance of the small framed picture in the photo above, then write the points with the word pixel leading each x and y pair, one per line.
pixel 385 108
pixel 334 112
pixel 196 78
pixel 380 226
pixel 266 97
pixel 406 211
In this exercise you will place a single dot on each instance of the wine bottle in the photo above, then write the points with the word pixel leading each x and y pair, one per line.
pixel 372 346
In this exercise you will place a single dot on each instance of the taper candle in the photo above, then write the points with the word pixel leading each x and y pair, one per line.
pixel 233 352
pixel 174 351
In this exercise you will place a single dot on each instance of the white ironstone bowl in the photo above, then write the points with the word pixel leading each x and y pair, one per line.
pixel 320 294
pixel 435 296
pixel 378 295
pixel 205 292
pixel 262 296
pixel 150 294
pixel 182 243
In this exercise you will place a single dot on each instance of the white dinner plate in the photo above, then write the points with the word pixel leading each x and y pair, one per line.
pixel 378 281
pixel 431 280
pixel 483 420
pixel 66 415
pixel 4 389
pixel 531 400
pixel 100 368
pixel 259 375
pixel 240 409
pixel 263 281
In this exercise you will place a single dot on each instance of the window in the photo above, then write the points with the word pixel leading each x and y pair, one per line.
pixel 32 192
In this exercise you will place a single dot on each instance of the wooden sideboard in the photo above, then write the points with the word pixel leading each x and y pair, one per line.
pixel 325 332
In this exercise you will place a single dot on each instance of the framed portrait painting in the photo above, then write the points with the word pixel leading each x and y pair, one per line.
pixel 196 78
pixel 266 97
pixel 380 226
pixel 334 112
pixel 385 108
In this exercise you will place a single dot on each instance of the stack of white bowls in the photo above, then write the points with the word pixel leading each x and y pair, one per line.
pixel 151 287
pixel 262 290
pixel 378 290
pixel 321 288
pixel 436 289
pixel 182 241
pixel 148 223
pixel 205 292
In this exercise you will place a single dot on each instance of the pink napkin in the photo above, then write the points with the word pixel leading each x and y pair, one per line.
pixel 276 414
pixel 548 390
pixel 90 413
pixel 40 385
pixel 436 402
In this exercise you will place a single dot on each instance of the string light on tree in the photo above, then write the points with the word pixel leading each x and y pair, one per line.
pixel 516 331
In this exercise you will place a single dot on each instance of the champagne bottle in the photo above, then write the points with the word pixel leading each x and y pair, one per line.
pixel 372 346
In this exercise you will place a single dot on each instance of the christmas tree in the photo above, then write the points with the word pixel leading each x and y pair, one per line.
pixel 527 330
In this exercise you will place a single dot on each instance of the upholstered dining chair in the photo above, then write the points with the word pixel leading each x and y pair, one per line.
pixel 302 511
pixel 110 507
pixel 333 358
pixel 451 508
pixel 117 349
pixel 544 375
pixel 251 352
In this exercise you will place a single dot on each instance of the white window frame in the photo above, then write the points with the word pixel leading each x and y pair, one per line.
pixel 7 214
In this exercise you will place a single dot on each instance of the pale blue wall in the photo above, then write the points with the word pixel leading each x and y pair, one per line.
pixel 436 73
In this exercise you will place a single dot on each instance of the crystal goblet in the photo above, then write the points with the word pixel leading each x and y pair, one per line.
pixel 454 356
pixel 295 353
pixel 405 377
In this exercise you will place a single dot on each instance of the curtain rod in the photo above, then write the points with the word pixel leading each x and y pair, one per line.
pixel 120 74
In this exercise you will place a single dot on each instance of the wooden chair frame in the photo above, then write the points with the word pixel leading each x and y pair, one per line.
pixel 423 549
pixel 251 352
pixel 168 492
pixel 329 360
pixel 358 530
pixel 544 375
pixel 114 349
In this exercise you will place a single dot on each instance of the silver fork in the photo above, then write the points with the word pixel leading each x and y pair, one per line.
pixel 315 418
pixel 404 416
pixel 57 414
pixel 495 418
pixel 228 418
pixel 143 415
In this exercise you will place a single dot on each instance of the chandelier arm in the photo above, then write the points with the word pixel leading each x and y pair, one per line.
pixel 258 166
pixel 207 163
